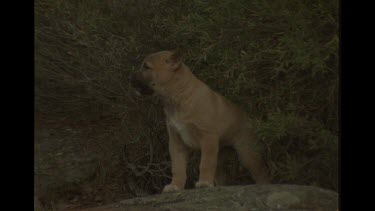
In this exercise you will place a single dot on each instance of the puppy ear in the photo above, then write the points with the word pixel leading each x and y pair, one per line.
pixel 177 55
pixel 176 58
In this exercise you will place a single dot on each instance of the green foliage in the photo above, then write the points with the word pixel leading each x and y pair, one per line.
pixel 277 59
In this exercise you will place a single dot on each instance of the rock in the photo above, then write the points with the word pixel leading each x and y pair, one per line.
pixel 251 197
pixel 60 162
pixel 282 200
pixel 98 199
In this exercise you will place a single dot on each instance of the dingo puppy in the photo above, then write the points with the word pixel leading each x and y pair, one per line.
pixel 197 118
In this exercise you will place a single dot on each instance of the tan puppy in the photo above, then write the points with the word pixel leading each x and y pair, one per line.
pixel 197 118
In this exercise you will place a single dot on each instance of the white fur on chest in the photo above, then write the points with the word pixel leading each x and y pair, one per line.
pixel 184 132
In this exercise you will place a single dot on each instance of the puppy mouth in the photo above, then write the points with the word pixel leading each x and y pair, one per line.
pixel 141 89
pixel 146 91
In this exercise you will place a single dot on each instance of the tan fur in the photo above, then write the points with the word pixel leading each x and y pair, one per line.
pixel 198 118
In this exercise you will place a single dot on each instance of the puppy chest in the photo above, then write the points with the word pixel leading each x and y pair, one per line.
pixel 188 133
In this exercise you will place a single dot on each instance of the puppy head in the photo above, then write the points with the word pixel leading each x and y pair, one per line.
pixel 156 71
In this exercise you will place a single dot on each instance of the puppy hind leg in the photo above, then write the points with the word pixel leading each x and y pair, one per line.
pixel 220 177
pixel 253 162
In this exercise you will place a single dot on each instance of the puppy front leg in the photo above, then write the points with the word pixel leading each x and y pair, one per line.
pixel 208 164
pixel 179 154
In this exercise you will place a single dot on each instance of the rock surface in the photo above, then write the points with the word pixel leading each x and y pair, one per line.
pixel 251 197
pixel 61 162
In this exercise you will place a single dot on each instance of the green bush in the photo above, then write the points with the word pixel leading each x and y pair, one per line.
pixel 278 60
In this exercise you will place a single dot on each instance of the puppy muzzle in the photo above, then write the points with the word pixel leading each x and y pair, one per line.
pixel 140 86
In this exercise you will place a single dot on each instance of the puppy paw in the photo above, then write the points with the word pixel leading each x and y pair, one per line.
pixel 171 188
pixel 204 184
